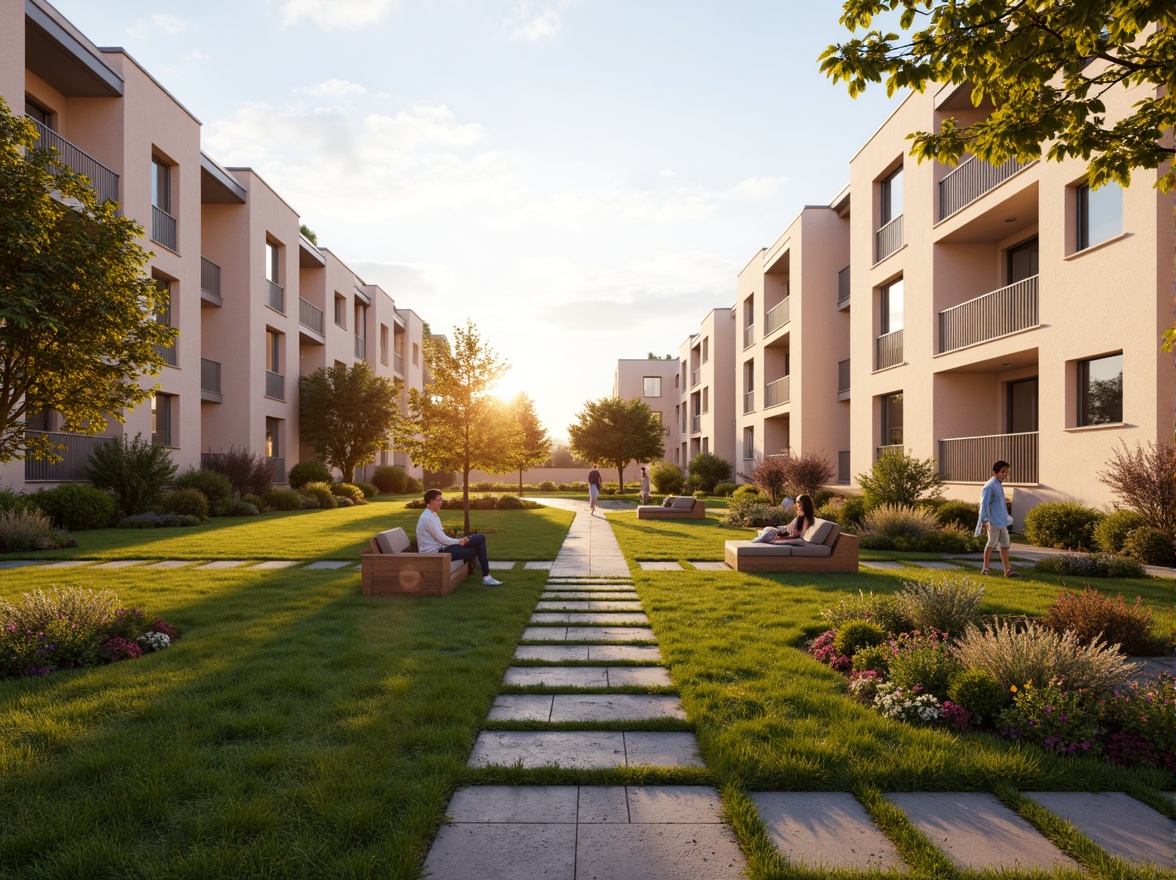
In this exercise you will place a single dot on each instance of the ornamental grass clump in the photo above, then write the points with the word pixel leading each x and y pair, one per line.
pixel 1090 616
pixel 945 605
pixel 24 530
pixel 896 521
pixel 1088 565
pixel 885 610
pixel 1018 654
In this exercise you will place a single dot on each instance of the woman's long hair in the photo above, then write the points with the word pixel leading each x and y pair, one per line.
pixel 805 503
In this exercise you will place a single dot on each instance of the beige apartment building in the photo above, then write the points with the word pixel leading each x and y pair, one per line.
pixel 707 378
pixel 256 303
pixel 656 382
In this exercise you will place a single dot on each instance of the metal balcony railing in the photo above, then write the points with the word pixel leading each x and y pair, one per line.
pixel 969 459
pixel 210 380
pixel 777 392
pixel 311 316
pixel 888 350
pixel 163 228
pixel 104 181
pixel 275 296
pixel 748 335
pixel 210 279
pixel 696 425
pixel 398 362
pixel 360 348
pixel 843 377
pixel 990 316
pixel 168 353
pixel 74 457
pixel 888 239
pixel 883 450
pixel 843 286
pixel 972 179
pixel 275 385
pixel 695 377
pixel 748 401
pixel 778 315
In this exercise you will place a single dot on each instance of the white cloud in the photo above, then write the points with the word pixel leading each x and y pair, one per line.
pixel 335 89
pixel 757 187
pixel 158 23
pixel 196 55
pixel 336 14
pixel 530 23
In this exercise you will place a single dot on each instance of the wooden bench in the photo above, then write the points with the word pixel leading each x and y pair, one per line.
pixel 680 507
pixel 390 567
pixel 824 548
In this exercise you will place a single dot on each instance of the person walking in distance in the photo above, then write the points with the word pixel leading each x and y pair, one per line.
pixel 644 486
pixel 994 518
pixel 594 484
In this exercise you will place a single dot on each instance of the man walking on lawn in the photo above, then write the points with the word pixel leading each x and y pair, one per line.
pixel 994 518
pixel 431 538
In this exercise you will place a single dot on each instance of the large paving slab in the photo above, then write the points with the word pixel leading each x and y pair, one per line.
pixel 658 852
pixel 601 596
pixel 521 852
pixel 583 606
pixel 825 830
pixel 171 563
pixel 883 564
pixel 120 563
pixel 502 564
pixel 584 749
pixel 1117 822
pixel 587 634
pixel 935 565
pixel 223 564
pixel 587 676
pixel 977 832
pixel 594 653
pixel 69 563
pixel 656 565
pixel 17 563
pixel 708 565
pixel 596 587
pixel 537 566
pixel 585 707
pixel 600 618
pixel 327 565
pixel 274 564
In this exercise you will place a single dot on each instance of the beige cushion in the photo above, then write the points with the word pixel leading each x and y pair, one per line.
pixel 683 502
pixel 456 565
pixel 392 541
pixel 818 531
pixel 668 501
pixel 812 550
pixel 747 548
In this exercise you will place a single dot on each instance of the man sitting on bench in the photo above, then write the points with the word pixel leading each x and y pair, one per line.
pixel 431 538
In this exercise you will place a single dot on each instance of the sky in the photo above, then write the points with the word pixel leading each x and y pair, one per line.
pixel 581 179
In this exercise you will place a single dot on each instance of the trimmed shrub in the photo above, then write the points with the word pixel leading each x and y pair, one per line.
pixel 978 692
pixel 237 507
pixel 1014 655
pixel 899 521
pixel 320 492
pixel 876 657
pixel 1149 546
pixel 349 491
pixel 708 470
pixel 944 605
pixel 755 516
pixel 666 478
pixel 285 499
pixel 959 514
pixel 1063 524
pixel 369 489
pixel 311 471
pixel 1111 532
pixel 883 609
pixel 858 634
pixel 24 530
pixel 10 500
pixel 510 502
pixel 213 485
pixel 897 477
pixel 390 479
pixel 1090 615
pixel 750 494
pixel 76 508
pixel 723 490
pixel 158 521
pixel 413 486
pixel 250 473
pixel 1090 565
pixel 188 502
pixel 922 662
pixel 254 500
pixel 547 486
pixel 847 511
pixel 135 471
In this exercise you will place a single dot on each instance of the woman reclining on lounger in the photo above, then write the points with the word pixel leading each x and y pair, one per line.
pixel 792 532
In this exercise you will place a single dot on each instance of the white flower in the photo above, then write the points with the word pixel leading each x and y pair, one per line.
pixel 155 641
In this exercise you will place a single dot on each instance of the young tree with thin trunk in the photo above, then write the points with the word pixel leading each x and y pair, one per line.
pixel 346 414
pixel 617 431
pixel 531 445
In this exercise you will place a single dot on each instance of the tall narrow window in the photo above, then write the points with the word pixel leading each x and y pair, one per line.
pixel 891 197
pixel 272 263
pixel 161 184
pixel 163 312
pixel 161 419
pixel 892 420
pixel 748 443
pixel 273 351
pixel 1100 390
pixel 273 438
pixel 891 304
pixel 1022 261
pixel 384 343
pixel 1022 407
pixel 340 311
pixel 1100 214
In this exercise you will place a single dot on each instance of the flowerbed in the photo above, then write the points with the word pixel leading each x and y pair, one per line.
pixel 922 657
pixel 72 629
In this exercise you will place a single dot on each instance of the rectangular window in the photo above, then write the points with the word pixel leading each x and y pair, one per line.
pixel 341 311
pixel 1100 214
pixel 652 386
pixel 273 438
pixel 37 112
pixel 705 349
pixel 273 351
pixel 161 419
pixel 892 420
pixel 1022 261
pixel 891 197
pixel 416 355
pixel 891 305
pixel 1100 390
pixel 160 184
pixel 273 263
pixel 1022 406
pixel 748 443
pixel 384 343
pixel 706 399
pixel 749 311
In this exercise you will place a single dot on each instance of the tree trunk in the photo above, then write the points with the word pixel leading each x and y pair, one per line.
pixel 465 494
pixel 348 470
pixel 520 482
pixel 621 475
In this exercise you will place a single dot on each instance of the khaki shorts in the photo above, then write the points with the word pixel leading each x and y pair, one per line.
pixel 998 536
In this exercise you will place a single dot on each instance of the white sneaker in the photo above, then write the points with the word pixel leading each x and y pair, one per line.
pixel 488 581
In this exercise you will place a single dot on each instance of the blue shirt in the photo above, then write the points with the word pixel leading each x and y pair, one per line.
pixel 992 507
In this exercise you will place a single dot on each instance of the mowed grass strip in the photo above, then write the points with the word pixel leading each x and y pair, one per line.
pixel 342 533
pixel 298 729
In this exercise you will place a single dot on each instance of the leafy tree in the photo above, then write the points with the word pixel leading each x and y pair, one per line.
pixel 770 475
pixel 667 478
pixel 1144 479
pixel 532 446
pixel 617 431
pixel 346 414
pixel 455 424
pixel 77 314
pixel 899 478
pixel 1045 66
pixel 709 470
pixel 809 473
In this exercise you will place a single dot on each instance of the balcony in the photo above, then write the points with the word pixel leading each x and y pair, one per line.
pixel 360 348
pixel 883 450
pixel 888 350
pixel 75 457
pixel 210 282
pixel 748 402
pixel 275 296
pixel 104 181
pixel 168 353
pixel 969 459
pixel 990 316
pixel 843 379
pixel 777 392
pixel 843 288
pixel 311 316
pixel 210 381
pixel 972 179
pixel 696 425
pixel 275 385
pixel 163 229
pixel 888 239
pixel 778 315
pixel 694 378
pixel 748 335
pixel 398 362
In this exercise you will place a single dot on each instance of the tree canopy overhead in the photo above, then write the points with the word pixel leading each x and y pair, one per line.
pixel 617 431
pixel 1046 66
pixel 346 414
pixel 78 329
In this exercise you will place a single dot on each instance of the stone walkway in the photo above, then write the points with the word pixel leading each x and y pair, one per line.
pixel 590 616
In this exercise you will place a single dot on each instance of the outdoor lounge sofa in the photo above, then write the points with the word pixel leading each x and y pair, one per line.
pixel 825 548
pixel 390 567
pixel 679 507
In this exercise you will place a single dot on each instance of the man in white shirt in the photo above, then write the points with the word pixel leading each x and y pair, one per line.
pixel 431 538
